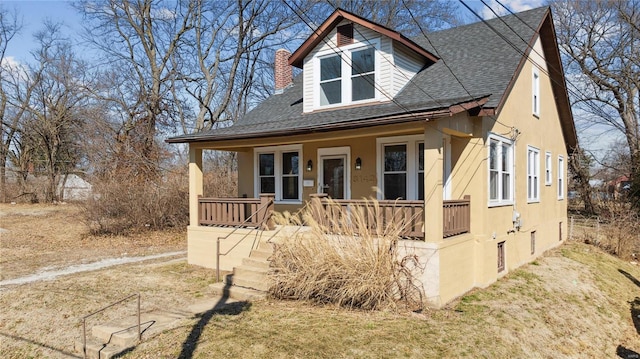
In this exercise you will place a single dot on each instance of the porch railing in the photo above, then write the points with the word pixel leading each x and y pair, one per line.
pixel 456 216
pixel 244 212
pixel 409 215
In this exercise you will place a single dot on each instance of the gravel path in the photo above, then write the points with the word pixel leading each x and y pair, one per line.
pixel 45 275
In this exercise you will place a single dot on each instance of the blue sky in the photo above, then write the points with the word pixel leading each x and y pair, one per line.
pixel 33 14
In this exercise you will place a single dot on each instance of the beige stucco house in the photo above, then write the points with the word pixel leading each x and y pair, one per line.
pixel 468 129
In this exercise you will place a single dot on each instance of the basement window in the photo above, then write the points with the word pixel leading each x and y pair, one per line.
pixel 501 260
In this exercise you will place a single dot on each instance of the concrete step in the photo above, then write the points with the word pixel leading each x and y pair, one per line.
pixel 256 263
pixel 98 350
pixel 124 332
pixel 251 273
pixel 257 284
pixel 237 293
pixel 261 254
pixel 265 247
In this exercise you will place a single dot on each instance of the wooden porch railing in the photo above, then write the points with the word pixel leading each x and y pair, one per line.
pixel 409 215
pixel 234 211
pixel 456 217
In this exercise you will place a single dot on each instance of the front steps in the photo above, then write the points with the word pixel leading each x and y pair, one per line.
pixel 114 339
pixel 249 281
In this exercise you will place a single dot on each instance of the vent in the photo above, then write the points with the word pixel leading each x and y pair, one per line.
pixel 345 35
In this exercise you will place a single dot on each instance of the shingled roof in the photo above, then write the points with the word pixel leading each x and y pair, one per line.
pixel 484 67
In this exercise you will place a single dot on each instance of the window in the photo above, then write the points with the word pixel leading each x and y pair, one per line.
pixel 533 174
pixel 533 242
pixel 330 80
pixel 500 170
pixel 561 183
pixel 278 172
pixel 348 77
pixel 267 175
pixel 548 179
pixel 501 264
pixel 363 75
pixel 421 171
pixel 536 93
pixel 401 169
pixel 395 171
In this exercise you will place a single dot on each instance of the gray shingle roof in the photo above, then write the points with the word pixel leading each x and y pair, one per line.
pixel 480 59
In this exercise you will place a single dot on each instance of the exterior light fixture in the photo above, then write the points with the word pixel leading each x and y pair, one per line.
pixel 358 163
pixel 309 166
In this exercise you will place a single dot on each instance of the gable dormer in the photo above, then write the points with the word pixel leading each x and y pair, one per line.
pixel 351 61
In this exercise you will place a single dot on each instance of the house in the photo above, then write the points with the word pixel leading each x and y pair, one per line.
pixel 468 127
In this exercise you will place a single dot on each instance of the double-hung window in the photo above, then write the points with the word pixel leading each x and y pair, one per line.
pixel 500 170
pixel 347 75
pixel 533 174
pixel 395 171
pixel 561 183
pixel 548 172
pixel 330 80
pixel 278 172
pixel 401 167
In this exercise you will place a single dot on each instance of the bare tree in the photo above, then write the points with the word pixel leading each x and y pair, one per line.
pixel 9 27
pixel 139 38
pixel 433 14
pixel 53 120
pixel 601 40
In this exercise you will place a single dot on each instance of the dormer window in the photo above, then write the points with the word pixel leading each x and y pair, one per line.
pixel 347 77
pixel 330 80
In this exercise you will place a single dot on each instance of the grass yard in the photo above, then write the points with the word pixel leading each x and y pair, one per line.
pixel 574 302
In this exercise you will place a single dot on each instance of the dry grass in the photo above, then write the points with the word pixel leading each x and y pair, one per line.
pixel 575 302
pixel 39 236
pixel 352 268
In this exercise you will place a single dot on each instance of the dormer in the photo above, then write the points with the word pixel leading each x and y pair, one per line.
pixel 351 61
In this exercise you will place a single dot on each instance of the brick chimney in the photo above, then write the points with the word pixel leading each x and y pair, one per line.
pixel 283 71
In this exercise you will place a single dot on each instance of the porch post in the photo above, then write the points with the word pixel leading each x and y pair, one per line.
pixel 195 183
pixel 433 172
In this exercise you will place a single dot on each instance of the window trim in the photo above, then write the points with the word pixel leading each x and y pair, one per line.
pixel 548 169
pixel 561 178
pixel 536 175
pixel 535 93
pixel 412 144
pixel 346 77
pixel 277 170
pixel 511 158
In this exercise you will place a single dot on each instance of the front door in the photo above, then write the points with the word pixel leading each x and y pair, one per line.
pixel 332 176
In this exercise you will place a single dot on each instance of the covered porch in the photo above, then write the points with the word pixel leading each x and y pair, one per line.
pixel 410 169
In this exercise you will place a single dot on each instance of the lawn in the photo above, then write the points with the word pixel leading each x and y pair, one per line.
pixel 574 302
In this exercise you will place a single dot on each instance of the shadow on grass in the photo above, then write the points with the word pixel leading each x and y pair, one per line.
pixel 631 278
pixel 222 307
pixel 43 345
pixel 635 313
pixel 626 353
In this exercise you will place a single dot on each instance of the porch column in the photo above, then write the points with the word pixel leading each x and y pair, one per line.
pixel 195 183
pixel 433 162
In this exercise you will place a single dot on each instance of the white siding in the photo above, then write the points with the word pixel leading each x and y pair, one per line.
pixel 407 65
pixel 390 78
